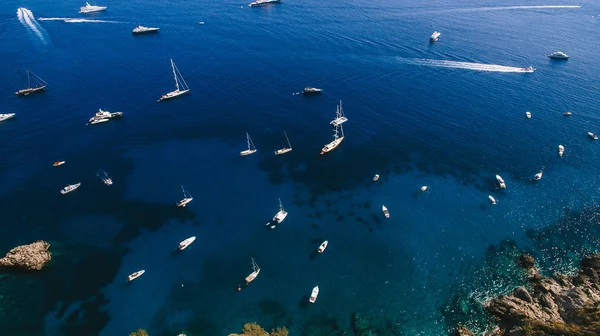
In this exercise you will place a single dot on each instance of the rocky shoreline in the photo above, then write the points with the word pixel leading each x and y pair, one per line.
pixel 31 257
pixel 556 305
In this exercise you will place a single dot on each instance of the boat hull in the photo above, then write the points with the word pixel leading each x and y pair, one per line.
pixel 174 94
pixel 26 92
pixel 184 202
pixel 135 275
pixel 187 242
pixel 247 152
pixel 72 188
pixel 283 151
pixel 331 146
pixel 323 246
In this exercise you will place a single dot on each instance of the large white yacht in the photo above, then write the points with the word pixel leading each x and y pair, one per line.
pixel 144 30
pixel 263 3
pixel 91 9
pixel 6 116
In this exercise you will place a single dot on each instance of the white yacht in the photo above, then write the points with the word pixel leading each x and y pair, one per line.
pixel 251 148
pixel 263 3
pixel 561 150
pixel 280 215
pixel 144 30
pixel 103 116
pixel 337 140
pixel 58 163
pixel 492 199
pixel 69 188
pixel 386 213
pixel 423 188
pixel 528 115
pixel 435 36
pixel 187 242
pixel 501 182
pixel 538 176
pixel 187 198
pixel 181 86
pixel 311 90
pixel 135 275
pixel 314 294
pixel 91 9
pixel 376 177
pixel 323 246
pixel 568 113
pixel 559 55
pixel 254 274
pixel 285 149
pixel 6 116
pixel 593 136
pixel 340 118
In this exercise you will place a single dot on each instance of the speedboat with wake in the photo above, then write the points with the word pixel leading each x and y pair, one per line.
pixel 135 275
pixel 314 294
pixel 279 216
pixel 144 30
pixel 6 116
pixel 501 182
pixel 70 188
pixel 187 242
pixel 529 69
pixel 593 136
pixel 323 246
pixel 91 9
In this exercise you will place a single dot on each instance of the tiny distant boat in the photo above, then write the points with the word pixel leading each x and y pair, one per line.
pixel 423 188
pixel 254 274
pixel 69 188
pixel 187 242
pixel 500 182
pixel 323 246
pixel 386 213
pixel 559 55
pixel 492 199
pixel 104 177
pixel 568 113
pixel 135 275
pixel 39 84
pixel 91 9
pixel 6 116
pixel 58 163
pixel 201 22
pixel 263 3
pixel 435 36
pixel 376 177
pixel 561 150
pixel 284 150
pixel 314 294
pixel 187 198
pixel 538 176
pixel 528 114
pixel 340 118
pixel 311 90
pixel 181 86
pixel 251 148
pixel 144 30
pixel 528 69
pixel 593 136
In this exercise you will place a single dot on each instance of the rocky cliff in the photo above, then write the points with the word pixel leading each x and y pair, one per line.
pixel 29 257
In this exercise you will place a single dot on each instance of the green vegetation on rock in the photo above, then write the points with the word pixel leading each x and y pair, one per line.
pixel 253 329
pixel 139 332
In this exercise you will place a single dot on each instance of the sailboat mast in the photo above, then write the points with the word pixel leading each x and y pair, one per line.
pixel 248 140
pixel 280 205
pixel 175 75
pixel 341 111
pixel 288 140
pixel 28 79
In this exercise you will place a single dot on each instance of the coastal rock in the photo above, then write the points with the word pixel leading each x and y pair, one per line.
pixel 30 257
pixel 463 331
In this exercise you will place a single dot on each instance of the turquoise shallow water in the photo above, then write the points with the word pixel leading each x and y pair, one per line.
pixel 449 115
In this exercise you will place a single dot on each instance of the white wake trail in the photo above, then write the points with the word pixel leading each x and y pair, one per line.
pixel 27 19
pixel 462 65
pixel 76 20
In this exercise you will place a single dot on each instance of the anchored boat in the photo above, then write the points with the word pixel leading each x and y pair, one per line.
pixel 263 3
pixel 561 150
pixel 314 294
pixel 323 246
pixel 386 213
pixel 187 242
pixel 38 84
pixel 311 90
pixel 251 148
pixel 187 198
pixel 501 182
pixel 91 9
pixel 181 86
pixel 144 30
pixel 254 274
pixel 492 199
pixel 435 36
pixel 6 116
pixel 70 188
pixel 284 150
pixel 135 275
pixel 58 163
pixel 340 118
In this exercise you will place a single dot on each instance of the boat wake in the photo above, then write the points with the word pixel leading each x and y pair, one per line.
pixel 76 20
pixel 482 9
pixel 27 19
pixel 463 65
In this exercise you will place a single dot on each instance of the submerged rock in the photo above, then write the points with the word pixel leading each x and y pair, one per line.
pixel 30 257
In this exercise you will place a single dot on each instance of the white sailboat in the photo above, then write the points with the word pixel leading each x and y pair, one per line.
pixel 340 118
pixel 187 198
pixel 181 86
pixel 314 294
pixel 254 274
pixel 337 140
pixel 284 150
pixel 251 148
pixel 279 216
pixel 39 84
pixel 187 242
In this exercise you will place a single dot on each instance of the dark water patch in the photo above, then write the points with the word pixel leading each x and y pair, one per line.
pixel 88 319
pixel 323 324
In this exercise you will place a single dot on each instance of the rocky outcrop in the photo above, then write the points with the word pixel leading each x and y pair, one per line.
pixel 32 257
pixel 557 305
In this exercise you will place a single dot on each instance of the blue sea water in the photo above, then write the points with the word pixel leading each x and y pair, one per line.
pixel 450 115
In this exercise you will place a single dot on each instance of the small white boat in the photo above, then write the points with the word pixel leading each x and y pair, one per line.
pixel 538 176
pixel 187 242
pixel 281 214
pixel 254 274
pixel 314 294
pixel 251 148
pixel 340 118
pixel 58 163
pixel 187 198
pixel 311 90
pixel 529 69
pixel 201 22
pixel 323 246
pixel 91 9
pixel 492 199
pixel 435 36
pixel 423 188
pixel 593 136
pixel 144 30
pixel 181 86
pixel 284 150
pixel 528 114
pixel 500 182
pixel 559 55
pixel 386 213
pixel 135 275
pixel 69 188
pixel 376 177
pixel 561 150
pixel 567 114
pixel 6 116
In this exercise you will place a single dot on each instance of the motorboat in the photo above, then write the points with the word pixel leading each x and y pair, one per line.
pixel 423 188
pixel 91 9
pixel 386 213
pixel 38 84
pixel 187 198
pixel 593 136
pixel 500 182
pixel 285 149
pixel 281 214
pixel 323 246
pixel 314 294
pixel 254 274
pixel 144 30
pixel 311 90
pixel 528 114
pixel 187 242
pixel 58 163
pixel 263 3
pixel 69 188
pixel 6 116
pixel 181 87
pixel 251 148
pixel 567 114
pixel 529 69
pixel 376 177
pixel 435 36
pixel 135 275
pixel 561 150
pixel 538 176
pixel 340 118
pixel 492 199
pixel 559 55
pixel 103 116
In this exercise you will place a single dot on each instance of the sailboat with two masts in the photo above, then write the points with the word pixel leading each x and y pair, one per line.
pixel 340 118
pixel 284 150
pixel 251 148
pixel 181 86
pixel 337 124
pixel 39 84
pixel 187 198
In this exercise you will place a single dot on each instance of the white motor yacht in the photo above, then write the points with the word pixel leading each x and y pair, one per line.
pixel 561 150
pixel 386 213
pixel 135 275
pixel 492 199
pixel 314 294
pixel 376 177
pixel 91 9
pixel 593 136
pixel 6 116
pixel 323 246
pixel 528 114
pixel 187 242
pixel 559 55
pixel 263 3
pixel 70 188
pixel 423 188
pixel 144 30
pixel 435 36
pixel 501 182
